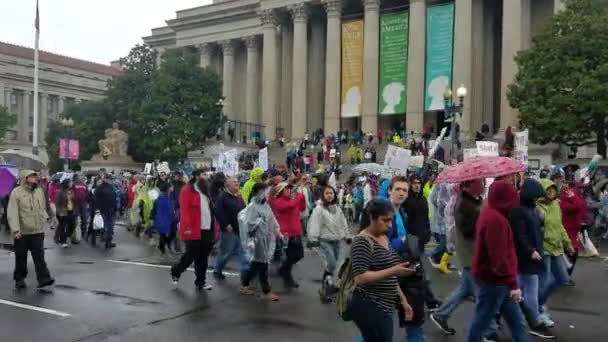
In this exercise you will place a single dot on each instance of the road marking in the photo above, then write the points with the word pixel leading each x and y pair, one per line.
pixel 230 274
pixel 34 308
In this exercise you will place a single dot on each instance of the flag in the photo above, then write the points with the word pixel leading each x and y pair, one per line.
pixel 37 23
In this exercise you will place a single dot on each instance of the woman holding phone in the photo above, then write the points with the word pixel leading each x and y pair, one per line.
pixel 376 269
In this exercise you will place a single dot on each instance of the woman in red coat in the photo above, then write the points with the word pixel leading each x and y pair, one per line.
pixel 287 209
pixel 574 211
pixel 195 229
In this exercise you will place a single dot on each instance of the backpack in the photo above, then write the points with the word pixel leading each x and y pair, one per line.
pixel 347 286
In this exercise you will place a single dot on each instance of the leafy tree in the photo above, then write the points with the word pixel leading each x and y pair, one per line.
pixel 180 111
pixel 561 89
pixel 7 121
pixel 127 93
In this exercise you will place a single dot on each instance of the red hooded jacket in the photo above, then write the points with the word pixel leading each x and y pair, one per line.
pixel 190 214
pixel 287 212
pixel 574 211
pixel 494 257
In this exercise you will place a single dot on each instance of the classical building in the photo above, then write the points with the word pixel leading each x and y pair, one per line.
pixel 62 80
pixel 297 65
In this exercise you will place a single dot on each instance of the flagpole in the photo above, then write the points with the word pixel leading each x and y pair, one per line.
pixel 35 114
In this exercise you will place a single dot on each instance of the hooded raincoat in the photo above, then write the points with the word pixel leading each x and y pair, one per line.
pixel 556 238
pixel 259 229
pixel 254 177
pixel 440 196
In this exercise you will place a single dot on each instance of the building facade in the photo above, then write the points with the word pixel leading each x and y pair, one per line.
pixel 62 80
pixel 294 66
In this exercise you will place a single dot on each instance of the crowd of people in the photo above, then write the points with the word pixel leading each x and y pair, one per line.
pixel 516 242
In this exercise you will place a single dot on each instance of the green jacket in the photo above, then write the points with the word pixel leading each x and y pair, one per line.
pixel 254 177
pixel 556 238
pixel 26 210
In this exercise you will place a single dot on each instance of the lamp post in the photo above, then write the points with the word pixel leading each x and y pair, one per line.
pixel 67 124
pixel 452 112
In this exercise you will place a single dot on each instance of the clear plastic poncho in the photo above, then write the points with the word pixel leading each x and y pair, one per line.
pixel 258 231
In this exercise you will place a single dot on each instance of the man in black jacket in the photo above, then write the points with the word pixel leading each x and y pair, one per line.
pixel 418 224
pixel 228 205
pixel 105 202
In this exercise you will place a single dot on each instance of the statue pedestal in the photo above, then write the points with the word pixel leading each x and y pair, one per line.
pixel 112 165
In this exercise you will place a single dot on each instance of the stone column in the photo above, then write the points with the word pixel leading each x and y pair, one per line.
pixel 228 77
pixel 3 101
pixel 252 79
pixel 371 48
pixel 24 123
pixel 333 66
pixel 299 13
pixel 515 37
pixel 286 77
pixel 558 5
pixel 414 120
pixel 205 54
pixel 43 121
pixel 463 58
pixel 270 67
pixel 61 105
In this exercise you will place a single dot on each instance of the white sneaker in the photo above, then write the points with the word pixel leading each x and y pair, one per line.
pixel 544 318
pixel 65 245
pixel 207 287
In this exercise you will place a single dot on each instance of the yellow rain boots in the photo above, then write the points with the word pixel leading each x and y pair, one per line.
pixel 443 264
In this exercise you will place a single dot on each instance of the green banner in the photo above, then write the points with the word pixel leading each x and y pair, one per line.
pixel 439 54
pixel 392 83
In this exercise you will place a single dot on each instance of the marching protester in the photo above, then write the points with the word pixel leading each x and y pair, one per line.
pixel 287 208
pixel 27 216
pixel 228 205
pixel 494 266
pixel 67 211
pixel 440 196
pixel 327 229
pixel 105 202
pixel 466 213
pixel 574 216
pixel 81 193
pixel 164 215
pixel 555 242
pixel 376 268
pixel 528 237
pixel 259 231
pixel 254 177
pixel 195 229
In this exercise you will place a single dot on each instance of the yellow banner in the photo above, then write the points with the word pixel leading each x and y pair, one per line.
pixel 352 68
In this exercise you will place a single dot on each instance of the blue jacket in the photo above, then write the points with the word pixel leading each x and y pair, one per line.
pixel 393 235
pixel 164 213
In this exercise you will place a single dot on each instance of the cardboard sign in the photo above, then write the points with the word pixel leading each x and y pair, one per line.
pixel 263 158
pixel 470 153
pixel 520 152
pixel 397 158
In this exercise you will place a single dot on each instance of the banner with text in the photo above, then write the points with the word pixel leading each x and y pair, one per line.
pixel 352 68
pixel 394 28
pixel 71 151
pixel 521 146
pixel 439 54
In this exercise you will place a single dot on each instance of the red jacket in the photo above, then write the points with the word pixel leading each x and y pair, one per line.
pixel 190 214
pixel 287 211
pixel 494 257
pixel 81 192
pixel 131 193
pixel 573 214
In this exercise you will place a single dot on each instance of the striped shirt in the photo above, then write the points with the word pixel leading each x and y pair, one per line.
pixel 367 258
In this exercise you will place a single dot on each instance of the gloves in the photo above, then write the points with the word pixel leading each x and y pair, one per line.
pixel 349 241
pixel 313 244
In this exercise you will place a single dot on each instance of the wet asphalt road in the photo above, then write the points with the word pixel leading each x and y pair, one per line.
pixel 99 299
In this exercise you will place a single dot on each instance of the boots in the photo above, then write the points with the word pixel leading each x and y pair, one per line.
pixel 443 264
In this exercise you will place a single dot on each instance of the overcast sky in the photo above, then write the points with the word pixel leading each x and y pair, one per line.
pixel 95 30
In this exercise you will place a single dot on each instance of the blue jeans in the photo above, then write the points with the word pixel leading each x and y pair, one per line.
pixel 555 276
pixel 440 248
pixel 415 333
pixel 330 253
pixel 529 290
pixel 490 300
pixel 230 245
pixel 466 288
pixel 375 324
pixel 108 226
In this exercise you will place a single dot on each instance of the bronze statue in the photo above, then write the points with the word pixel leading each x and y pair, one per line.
pixel 115 143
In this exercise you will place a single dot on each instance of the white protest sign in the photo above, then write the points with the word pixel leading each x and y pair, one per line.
pixel 263 158
pixel 417 161
pixel 163 168
pixel 470 153
pixel 397 158
pixel 230 165
pixel 487 148
pixel 148 168
pixel 521 146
